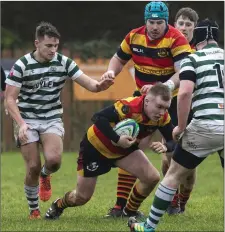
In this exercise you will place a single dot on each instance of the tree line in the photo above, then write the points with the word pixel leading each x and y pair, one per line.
pixel 85 21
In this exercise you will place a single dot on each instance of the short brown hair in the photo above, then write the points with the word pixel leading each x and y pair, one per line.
pixel 159 89
pixel 189 13
pixel 45 28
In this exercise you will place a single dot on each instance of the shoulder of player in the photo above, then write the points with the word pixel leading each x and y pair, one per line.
pixel 138 30
pixel 132 104
pixel 22 62
pixel 64 60
pixel 196 55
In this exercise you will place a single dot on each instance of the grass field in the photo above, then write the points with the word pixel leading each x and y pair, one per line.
pixel 204 212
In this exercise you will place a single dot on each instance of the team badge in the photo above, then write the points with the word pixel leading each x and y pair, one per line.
pixel 163 52
pixel 125 109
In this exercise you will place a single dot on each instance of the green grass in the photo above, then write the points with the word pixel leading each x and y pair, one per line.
pixel 204 211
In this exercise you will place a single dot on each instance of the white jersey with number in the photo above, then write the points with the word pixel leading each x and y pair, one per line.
pixel 208 95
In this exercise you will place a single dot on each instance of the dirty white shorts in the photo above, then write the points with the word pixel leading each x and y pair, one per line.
pixel 37 128
pixel 203 140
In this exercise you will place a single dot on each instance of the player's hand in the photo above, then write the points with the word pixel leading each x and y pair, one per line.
pixel 104 84
pixel 158 147
pixel 23 133
pixel 145 89
pixel 108 75
pixel 126 141
pixel 177 133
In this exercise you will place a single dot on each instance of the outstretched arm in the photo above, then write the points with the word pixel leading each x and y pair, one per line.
pixel 92 84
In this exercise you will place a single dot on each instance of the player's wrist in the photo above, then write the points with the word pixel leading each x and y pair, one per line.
pixel 170 84
pixel 111 72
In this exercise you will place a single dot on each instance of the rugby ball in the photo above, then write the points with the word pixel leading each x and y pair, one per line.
pixel 127 127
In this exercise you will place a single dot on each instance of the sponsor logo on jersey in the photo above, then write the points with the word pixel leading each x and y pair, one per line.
pixel 52 69
pixel 44 82
pixel 139 50
pixel 125 109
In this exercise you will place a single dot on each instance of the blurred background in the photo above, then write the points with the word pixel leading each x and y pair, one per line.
pixel 91 32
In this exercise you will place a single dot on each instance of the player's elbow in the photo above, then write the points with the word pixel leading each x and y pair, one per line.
pixel 95 118
pixel 185 94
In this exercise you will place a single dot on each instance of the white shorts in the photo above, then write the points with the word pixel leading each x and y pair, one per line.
pixel 203 140
pixel 37 128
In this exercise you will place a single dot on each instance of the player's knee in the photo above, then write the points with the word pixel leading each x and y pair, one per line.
pixel 54 163
pixel 55 166
pixel 153 178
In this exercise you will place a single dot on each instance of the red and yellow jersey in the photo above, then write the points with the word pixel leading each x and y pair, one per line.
pixel 153 60
pixel 131 107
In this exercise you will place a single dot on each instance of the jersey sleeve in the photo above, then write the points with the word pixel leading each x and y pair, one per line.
pixel 102 120
pixel 166 131
pixel 124 52
pixel 72 69
pixel 187 71
pixel 15 76
pixel 122 109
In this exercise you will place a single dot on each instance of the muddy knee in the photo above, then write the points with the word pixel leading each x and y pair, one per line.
pixel 53 164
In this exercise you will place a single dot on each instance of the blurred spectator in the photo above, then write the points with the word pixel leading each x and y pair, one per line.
pixel 3 77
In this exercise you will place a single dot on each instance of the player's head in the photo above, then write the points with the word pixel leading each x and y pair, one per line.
pixel 156 10
pixel 156 18
pixel 205 31
pixel 157 101
pixel 185 21
pixel 46 40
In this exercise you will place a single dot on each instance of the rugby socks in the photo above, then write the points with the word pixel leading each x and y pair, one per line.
pixel 124 186
pixel 32 197
pixel 45 172
pixel 176 201
pixel 62 203
pixel 184 195
pixel 163 197
pixel 134 201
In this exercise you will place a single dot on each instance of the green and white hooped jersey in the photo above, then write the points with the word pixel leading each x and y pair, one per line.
pixel 208 96
pixel 41 85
